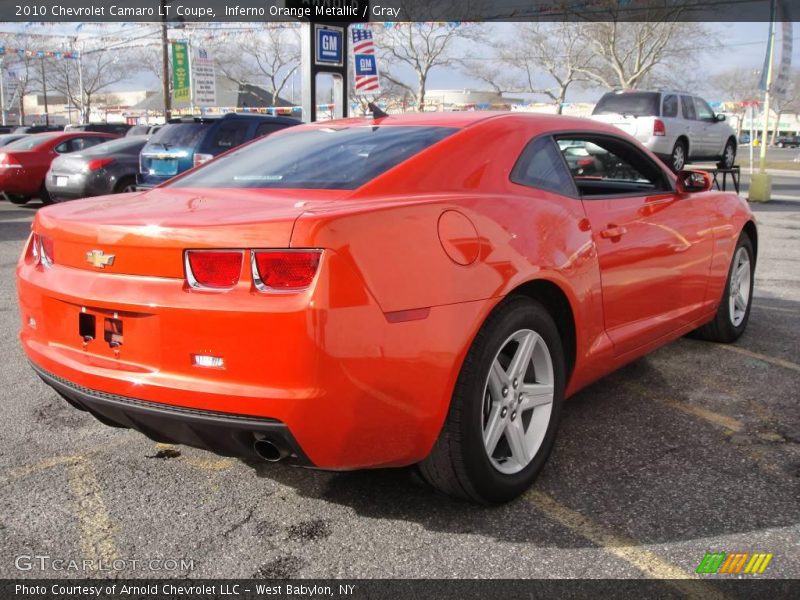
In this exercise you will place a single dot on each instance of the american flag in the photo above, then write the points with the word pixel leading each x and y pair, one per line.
pixel 363 45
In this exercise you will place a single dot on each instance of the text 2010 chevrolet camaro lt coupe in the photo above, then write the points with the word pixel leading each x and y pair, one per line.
pixel 381 292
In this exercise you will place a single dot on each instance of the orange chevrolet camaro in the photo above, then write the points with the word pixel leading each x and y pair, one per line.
pixel 383 291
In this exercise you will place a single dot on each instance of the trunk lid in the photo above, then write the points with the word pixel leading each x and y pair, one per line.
pixel 147 232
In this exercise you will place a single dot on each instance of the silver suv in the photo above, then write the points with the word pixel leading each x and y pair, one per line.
pixel 676 126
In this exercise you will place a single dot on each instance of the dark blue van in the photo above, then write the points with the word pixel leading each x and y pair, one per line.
pixel 190 141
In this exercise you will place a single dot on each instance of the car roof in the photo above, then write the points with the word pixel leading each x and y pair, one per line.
pixel 542 121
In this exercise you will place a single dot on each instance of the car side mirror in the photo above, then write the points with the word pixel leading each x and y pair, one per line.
pixel 691 182
pixel 719 117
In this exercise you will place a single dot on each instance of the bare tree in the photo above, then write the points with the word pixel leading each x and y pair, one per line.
pixel 536 58
pixel 418 47
pixel 21 67
pixel 267 58
pixel 100 69
pixel 788 103
pixel 738 86
pixel 630 55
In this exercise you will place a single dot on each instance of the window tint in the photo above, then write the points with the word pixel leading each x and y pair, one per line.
pixel 63 147
pixel 229 135
pixel 183 135
pixel 321 158
pixel 687 107
pixel 540 166
pixel 29 142
pixel 85 142
pixel 126 145
pixel 670 106
pixel 637 104
pixel 609 166
pixel 267 128
pixel 703 110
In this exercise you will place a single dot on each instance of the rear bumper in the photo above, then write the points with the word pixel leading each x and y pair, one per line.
pixel 355 388
pixel 225 434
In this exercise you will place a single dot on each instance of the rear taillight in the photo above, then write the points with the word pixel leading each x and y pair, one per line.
pixel 199 159
pixel 42 250
pixel 9 161
pixel 98 163
pixel 284 270
pixel 213 269
pixel 658 127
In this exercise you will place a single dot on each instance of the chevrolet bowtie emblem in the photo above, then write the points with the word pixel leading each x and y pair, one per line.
pixel 97 258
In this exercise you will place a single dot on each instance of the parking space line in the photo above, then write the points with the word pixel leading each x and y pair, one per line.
pixel 711 416
pixel 708 415
pixel 624 548
pixel 97 541
pixel 49 463
pixel 780 362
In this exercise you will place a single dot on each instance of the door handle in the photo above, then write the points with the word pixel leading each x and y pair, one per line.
pixel 613 232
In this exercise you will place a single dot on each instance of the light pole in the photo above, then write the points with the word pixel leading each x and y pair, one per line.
pixel 44 92
pixel 2 91
pixel 165 63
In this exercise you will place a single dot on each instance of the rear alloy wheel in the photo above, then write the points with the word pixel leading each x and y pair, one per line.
pixel 125 186
pixel 505 408
pixel 728 156
pixel 678 157
pixel 734 309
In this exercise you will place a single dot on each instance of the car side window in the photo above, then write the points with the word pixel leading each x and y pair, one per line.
pixel 267 128
pixel 63 147
pixel 669 107
pixel 230 135
pixel 704 112
pixel 86 142
pixel 540 166
pixel 687 106
pixel 603 165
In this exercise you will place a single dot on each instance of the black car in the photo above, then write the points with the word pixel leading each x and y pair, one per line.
pixel 185 143
pixel 115 128
pixel 788 141
pixel 107 168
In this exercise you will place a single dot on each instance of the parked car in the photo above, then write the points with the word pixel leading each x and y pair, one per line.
pixel 38 128
pixel 7 138
pixel 676 126
pixel 108 168
pixel 24 163
pixel 744 138
pixel 115 128
pixel 421 288
pixel 788 141
pixel 188 142
pixel 6 129
pixel 148 130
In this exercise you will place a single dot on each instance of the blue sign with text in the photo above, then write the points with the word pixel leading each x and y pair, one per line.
pixel 330 44
pixel 365 65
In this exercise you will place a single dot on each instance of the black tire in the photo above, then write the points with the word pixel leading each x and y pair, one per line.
pixel 44 195
pixel 728 158
pixel 459 465
pixel 679 156
pixel 779 144
pixel 123 183
pixel 18 200
pixel 722 328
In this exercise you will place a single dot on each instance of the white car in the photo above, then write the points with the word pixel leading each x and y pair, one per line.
pixel 676 126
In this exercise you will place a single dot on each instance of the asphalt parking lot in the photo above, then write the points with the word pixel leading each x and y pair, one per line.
pixel 695 448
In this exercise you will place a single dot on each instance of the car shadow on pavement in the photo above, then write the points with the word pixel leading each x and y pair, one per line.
pixel 630 456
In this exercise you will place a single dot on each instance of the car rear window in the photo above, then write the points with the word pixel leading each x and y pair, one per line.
pixel 127 144
pixel 637 104
pixel 30 142
pixel 183 135
pixel 325 158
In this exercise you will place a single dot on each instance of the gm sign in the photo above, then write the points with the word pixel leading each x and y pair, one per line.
pixel 329 43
